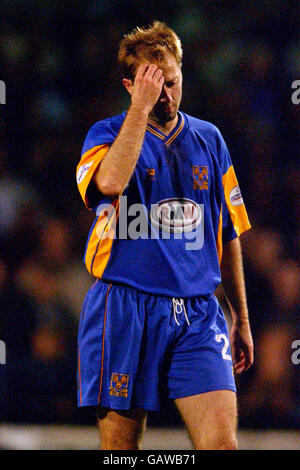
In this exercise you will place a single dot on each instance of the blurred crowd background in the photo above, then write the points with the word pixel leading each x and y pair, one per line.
pixel 59 62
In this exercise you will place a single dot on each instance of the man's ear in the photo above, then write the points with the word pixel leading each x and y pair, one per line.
pixel 128 85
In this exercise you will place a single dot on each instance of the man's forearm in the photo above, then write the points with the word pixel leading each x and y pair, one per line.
pixel 119 163
pixel 233 280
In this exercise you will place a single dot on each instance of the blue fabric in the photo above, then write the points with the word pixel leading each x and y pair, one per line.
pixel 165 266
pixel 125 335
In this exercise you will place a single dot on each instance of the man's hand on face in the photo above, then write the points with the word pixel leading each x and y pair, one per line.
pixel 147 87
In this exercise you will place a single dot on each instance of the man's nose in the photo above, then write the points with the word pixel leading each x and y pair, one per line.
pixel 165 95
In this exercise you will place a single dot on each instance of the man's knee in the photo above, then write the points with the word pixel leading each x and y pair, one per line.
pixel 217 442
pixel 228 444
pixel 121 430
pixel 114 438
pixel 111 441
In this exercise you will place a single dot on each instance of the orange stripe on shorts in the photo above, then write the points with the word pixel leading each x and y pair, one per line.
pixel 103 339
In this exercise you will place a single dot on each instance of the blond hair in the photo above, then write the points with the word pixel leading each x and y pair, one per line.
pixel 152 43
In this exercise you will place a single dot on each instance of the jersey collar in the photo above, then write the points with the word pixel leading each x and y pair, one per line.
pixel 168 139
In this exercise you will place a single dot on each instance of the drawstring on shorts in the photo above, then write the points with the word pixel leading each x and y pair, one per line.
pixel 179 304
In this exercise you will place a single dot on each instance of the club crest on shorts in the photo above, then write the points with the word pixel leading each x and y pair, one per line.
pixel 119 385
pixel 200 175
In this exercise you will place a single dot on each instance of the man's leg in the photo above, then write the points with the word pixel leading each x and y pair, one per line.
pixel 121 429
pixel 211 419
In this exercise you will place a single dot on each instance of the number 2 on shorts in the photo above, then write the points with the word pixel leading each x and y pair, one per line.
pixel 219 338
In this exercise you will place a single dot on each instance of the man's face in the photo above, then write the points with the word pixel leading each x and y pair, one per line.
pixel 168 103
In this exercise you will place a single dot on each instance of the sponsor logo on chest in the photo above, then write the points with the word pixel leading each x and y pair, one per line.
pixel 176 215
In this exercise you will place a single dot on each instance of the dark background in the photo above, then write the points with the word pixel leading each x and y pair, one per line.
pixel 59 63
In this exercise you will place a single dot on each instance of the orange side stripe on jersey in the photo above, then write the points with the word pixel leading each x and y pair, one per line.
pixel 238 212
pixel 103 342
pixel 93 242
pixel 100 244
pixel 219 238
pixel 104 248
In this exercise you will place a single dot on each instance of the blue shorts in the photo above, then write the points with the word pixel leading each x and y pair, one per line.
pixel 134 348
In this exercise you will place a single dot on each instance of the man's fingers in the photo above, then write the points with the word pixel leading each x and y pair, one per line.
pixel 239 366
pixel 142 69
pixel 236 353
pixel 157 73
pixel 243 360
pixel 152 68
pixel 160 80
pixel 248 357
pixel 238 356
pixel 242 350
pixel 149 71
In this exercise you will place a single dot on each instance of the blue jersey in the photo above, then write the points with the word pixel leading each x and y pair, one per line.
pixel 191 201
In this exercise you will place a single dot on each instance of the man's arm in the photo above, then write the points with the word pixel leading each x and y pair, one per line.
pixel 235 291
pixel 117 166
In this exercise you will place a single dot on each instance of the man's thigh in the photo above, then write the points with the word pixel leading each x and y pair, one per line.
pixel 121 429
pixel 211 419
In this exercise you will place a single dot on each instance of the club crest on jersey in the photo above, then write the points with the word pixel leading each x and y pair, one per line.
pixel 119 385
pixel 200 177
